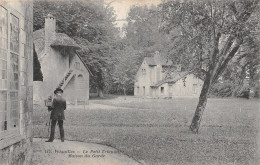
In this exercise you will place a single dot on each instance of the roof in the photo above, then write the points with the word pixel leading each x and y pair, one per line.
pixel 64 40
pixel 38 40
pixel 84 63
pixel 175 77
pixel 61 40
pixel 151 61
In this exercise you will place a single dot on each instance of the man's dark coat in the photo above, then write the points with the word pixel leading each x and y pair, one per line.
pixel 58 107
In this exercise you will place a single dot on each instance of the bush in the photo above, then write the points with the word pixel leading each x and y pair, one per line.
pixel 243 92
pixel 223 89
pixel 227 89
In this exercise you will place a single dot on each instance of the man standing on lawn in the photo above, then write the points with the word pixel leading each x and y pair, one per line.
pixel 57 114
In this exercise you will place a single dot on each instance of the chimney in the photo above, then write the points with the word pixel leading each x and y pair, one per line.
pixel 157 56
pixel 178 67
pixel 49 31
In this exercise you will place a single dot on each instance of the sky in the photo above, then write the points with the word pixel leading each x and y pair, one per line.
pixel 122 7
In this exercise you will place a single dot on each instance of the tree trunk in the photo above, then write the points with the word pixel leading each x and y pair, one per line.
pixel 124 93
pixel 194 127
pixel 100 93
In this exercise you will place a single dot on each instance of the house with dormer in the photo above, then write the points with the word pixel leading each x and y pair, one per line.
pixel 61 65
pixel 158 77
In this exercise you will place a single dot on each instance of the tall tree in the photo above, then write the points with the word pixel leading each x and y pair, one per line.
pixel 142 30
pixel 209 34
pixel 125 70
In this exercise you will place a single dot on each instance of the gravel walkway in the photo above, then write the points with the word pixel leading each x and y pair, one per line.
pixel 75 153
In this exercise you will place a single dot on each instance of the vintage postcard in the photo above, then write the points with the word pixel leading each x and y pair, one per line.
pixel 129 82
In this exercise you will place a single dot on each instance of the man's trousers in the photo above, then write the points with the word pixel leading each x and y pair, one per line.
pixel 53 124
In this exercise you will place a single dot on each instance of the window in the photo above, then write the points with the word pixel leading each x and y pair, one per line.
pixel 14 32
pixel 162 90
pixel 14 71
pixel 9 71
pixel 3 68
pixel 184 81
pixel 3 110
pixel 77 65
pixel 3 28
pixel 170 89
pixel 158 74
pixel 144 71
pixel 195 88
pixel 14 87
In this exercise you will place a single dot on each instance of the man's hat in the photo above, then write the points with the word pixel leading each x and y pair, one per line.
pixel 57 90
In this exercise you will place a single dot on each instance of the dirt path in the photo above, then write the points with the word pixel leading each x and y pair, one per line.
pixel 76 153
pixel 104 106
pixel 93 106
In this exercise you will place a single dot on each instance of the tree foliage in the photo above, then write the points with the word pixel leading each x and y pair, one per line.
pixel 142 30
pixel 125 70
pixel 207 35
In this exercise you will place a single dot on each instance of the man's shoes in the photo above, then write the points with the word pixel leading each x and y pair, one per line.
pixel 62 140
pixel 49 141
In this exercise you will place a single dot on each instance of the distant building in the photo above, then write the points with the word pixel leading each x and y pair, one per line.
pixel 61 65
pixel 159 78
pixel 16 81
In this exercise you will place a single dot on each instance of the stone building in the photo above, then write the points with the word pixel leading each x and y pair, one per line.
pixel 61 65
pixel 159 78
pixel 16 81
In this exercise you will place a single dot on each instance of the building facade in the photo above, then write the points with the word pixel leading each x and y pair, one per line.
pixel 61 65
pixel 159 78
pixel 16 81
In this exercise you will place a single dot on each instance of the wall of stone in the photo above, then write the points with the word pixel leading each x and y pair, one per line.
pixel 179 90
pixel 69 91
pixel 54 66
pixel 16 149
pixel 143 81
pixel 76 90
pixel 37 91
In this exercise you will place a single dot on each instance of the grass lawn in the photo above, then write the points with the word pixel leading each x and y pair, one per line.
pixel 156 130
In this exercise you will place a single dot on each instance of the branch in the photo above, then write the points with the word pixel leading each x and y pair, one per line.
pixel 199 71
pixel 229 56
pixel 225 49
pixel 203 71
pixel 225 59
pixel 215 50
pixel 109 4
pixel 223 20
pixel 186 31
pixel 242 56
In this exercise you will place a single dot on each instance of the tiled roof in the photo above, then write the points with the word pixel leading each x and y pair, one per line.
pixel 162 61
pixel 64 40
pixel 175 77
pixel 61 40
pixel 38 40
pixel 150 61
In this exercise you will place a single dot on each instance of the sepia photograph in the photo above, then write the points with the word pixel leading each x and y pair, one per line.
pixel 129 82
